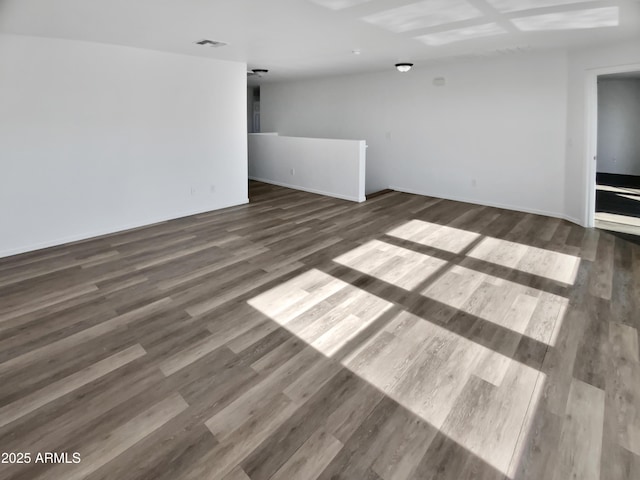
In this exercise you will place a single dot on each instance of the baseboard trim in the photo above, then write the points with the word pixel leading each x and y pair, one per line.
pixel 571 219
pixel 309 190
pixel 490 204
pixel 109 231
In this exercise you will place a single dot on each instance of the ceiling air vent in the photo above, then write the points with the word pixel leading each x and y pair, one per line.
pixel 211 43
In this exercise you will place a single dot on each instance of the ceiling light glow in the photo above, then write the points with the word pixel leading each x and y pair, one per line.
pixel 574 20
pixel 459 34
pixel 427 13
pixel 339 4
pixel 519 5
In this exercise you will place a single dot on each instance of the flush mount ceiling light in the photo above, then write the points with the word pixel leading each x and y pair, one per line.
pixel 404 67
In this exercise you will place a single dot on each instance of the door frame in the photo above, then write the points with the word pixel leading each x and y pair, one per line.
pixel 592 132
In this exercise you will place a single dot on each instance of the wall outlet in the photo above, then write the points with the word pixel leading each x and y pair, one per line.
pixel 293 171
pixel 193 190
pixel 212 188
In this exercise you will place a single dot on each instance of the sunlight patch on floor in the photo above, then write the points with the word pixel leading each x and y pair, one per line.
pixel 630 197
pixel 449 239
pixel 476 395
pixel 557 266
pixel 615 218
pixel 519 308
pixel 506 304
pixel 455 364
pixel 399 266
pixel 609 188
pixel 325 324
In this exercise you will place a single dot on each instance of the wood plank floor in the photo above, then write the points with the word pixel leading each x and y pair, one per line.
pixel 304 337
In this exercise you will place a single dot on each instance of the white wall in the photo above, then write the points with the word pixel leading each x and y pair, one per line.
pixel 619 126
pixel 582 63
pixel 97 138
pixel 319 165
pixel 499 121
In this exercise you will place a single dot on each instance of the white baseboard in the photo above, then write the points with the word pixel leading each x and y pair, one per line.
pixel 491 204
pixel 571 219
pixel 309 190
pixel 111 230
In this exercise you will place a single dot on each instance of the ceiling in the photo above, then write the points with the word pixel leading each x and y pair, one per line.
pixel 621 76
pixel 304 38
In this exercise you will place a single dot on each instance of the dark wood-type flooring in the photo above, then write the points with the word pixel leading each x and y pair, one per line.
pixel 305 337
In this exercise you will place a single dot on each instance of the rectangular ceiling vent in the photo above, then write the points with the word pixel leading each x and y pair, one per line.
pixel 211 43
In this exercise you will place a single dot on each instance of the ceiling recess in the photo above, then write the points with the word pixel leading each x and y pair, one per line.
pixel 211 43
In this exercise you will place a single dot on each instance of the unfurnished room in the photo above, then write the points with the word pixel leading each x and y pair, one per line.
pixel 319 239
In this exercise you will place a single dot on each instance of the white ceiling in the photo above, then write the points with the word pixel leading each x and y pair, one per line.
pixel 302 38
pixel 621 76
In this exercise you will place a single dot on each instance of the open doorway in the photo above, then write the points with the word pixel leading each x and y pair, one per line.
pixel 253 109
pixel 617 195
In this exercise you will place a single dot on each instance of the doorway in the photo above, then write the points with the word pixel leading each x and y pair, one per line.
pixel 593 77
pixel 617 189
pixel 253 109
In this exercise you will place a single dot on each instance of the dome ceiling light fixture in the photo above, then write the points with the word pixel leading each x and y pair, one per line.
pixel 404 67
